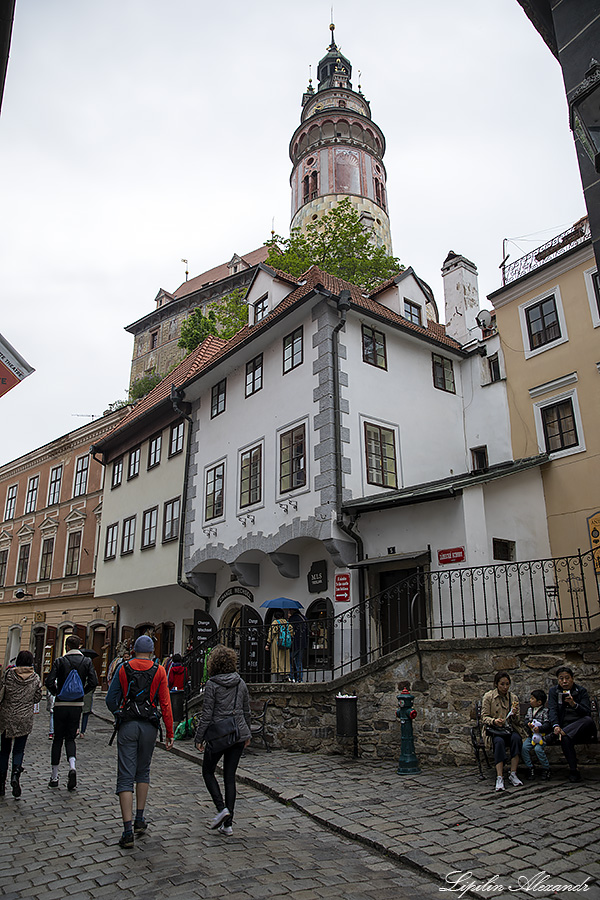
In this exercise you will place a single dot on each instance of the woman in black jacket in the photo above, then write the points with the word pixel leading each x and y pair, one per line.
pixel 570 715
pixel 225 695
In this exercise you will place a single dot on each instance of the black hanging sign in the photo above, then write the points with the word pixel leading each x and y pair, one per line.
pixel 317 577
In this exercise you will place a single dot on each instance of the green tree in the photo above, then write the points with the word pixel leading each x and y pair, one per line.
pixel 224 318
pixel 142 386
pixel 339 244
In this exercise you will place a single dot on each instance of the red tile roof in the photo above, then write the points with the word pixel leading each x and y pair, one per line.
pixel 218 273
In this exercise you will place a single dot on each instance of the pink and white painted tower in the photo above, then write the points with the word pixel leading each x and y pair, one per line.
pixel 337 151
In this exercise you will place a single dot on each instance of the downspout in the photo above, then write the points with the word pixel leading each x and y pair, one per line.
pixel 183 408
pixel 344 306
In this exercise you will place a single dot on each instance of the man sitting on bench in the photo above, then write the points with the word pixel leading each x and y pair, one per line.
pixel 571 717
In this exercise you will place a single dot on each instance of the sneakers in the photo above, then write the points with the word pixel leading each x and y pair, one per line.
pixel 140 826
pixel 72 780
pixel 126 841
pixel 514 779
pixel 227 830
pixel 53 783
pixel 220 817
pixel 499 783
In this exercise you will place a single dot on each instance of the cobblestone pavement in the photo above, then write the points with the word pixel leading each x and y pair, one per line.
pixel 58 845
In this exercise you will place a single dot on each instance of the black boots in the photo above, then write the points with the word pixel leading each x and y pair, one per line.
pixel 14 781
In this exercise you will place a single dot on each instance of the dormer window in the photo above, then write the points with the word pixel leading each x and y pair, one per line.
pixel 261 308
pixel 412 311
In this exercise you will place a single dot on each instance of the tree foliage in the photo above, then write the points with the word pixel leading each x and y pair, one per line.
pixel 338 243
pixel 224 318
pixel 142 386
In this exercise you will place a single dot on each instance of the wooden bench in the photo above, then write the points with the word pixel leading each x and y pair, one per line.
pixel 259 720
pixel 477 732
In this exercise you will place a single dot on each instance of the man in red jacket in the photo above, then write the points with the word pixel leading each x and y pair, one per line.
pixel 133 697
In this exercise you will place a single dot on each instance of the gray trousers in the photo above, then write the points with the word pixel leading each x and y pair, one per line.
pixel 135 745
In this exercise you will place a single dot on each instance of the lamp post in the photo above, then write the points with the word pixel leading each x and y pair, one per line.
pixel 584 113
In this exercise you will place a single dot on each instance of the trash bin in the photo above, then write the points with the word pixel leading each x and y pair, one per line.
pixel 177 705
pixel 345 716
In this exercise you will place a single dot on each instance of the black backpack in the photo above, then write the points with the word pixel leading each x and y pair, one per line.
pixel 137 703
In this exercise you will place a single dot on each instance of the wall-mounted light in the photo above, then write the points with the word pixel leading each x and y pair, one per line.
pixel 20 594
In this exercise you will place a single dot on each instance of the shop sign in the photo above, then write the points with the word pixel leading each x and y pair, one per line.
pixel 317 577
pixel 204 627
pixel 453 555
pixel 342 588
pixel 230 592
pixel 13 368
pixel 594 529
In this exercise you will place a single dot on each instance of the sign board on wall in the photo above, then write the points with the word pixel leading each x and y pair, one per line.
pixel 342 587
pixel 13 367
pixel 594 529
pixel 317 577
pixel 204 627
pixel 453 555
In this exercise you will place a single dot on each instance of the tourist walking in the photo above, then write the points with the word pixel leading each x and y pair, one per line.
pixel 279 643
pixel 70 678
pixel 299 624
pixel 20 690
pixel 139 688
pixel 226 706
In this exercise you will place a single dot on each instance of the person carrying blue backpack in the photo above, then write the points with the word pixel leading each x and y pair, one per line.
pixel 70 678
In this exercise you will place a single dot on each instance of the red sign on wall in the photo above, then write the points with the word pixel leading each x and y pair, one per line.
pixel 454 555
pixel 342 587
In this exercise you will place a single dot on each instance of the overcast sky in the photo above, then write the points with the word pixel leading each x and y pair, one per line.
pixel 137 132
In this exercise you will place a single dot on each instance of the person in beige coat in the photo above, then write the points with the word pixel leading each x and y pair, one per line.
pixel 280 655
pixel 21 689
pixel 500 710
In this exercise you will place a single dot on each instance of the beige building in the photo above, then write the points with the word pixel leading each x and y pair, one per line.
pixel 50 507
pixel 548 317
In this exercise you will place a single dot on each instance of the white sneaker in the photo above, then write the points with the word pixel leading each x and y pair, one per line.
pixel 226 830
pixel 514 779
pixel 499 783
pixel 220 817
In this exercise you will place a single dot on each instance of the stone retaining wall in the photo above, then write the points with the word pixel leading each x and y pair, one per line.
pixel 446 677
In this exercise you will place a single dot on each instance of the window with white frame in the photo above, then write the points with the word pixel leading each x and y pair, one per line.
pixel 261 308
pixel 592 285
pixel 543 323
pixel 412 311
pixel 54 485
pixel 443 373
pixel 81 476
pixel 23 563
pixel 46 559
pixel 149 526
pixel 292 459
pixel 380 449
pixel 493 363
pixel 117 473
pixel 214 494
pixel 254 375
pixel 171 520
pixel 11 502
pixel 133 467
pixel 32 492
pixel 176 438
pixel 128 538
pixel 154 448
pixel 251 476
pixel 558 424
pixel 73 550
pixel 112 537
pixel 292 350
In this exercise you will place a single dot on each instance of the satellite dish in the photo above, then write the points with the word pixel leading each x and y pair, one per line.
pixel 484 318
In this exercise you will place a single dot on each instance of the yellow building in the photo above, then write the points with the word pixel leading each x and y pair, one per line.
pixel 548 317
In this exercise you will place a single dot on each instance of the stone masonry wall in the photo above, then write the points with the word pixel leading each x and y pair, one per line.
pixel 447 681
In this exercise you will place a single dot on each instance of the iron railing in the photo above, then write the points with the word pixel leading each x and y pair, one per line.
pixel 574 236
pixel 513 598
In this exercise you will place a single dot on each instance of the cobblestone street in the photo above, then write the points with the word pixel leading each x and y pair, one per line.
pixel 58 845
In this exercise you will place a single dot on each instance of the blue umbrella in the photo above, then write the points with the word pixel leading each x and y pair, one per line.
pixel 281 603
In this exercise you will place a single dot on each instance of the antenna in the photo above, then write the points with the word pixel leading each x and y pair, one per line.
pixel 186 268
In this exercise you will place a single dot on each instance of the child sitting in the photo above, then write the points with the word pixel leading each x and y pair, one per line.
pixel 537 722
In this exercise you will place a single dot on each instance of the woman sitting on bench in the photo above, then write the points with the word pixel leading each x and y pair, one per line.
pixel 570 716
pixel 500 716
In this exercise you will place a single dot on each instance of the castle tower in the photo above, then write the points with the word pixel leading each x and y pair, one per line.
pixel 337 151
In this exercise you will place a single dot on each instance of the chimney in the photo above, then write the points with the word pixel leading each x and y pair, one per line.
pixel 461 296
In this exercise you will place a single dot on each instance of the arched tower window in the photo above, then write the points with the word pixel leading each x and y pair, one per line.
pixel 305 189
pixel 314 185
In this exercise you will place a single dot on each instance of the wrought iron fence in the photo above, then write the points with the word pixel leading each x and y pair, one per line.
pixel 513 598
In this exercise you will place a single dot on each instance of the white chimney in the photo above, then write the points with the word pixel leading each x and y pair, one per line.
pixel 461 296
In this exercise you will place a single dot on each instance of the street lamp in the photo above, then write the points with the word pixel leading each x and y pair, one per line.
pixel 584 113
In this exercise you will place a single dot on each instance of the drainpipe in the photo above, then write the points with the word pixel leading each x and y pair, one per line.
pixel 183 408
pixel 344 306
